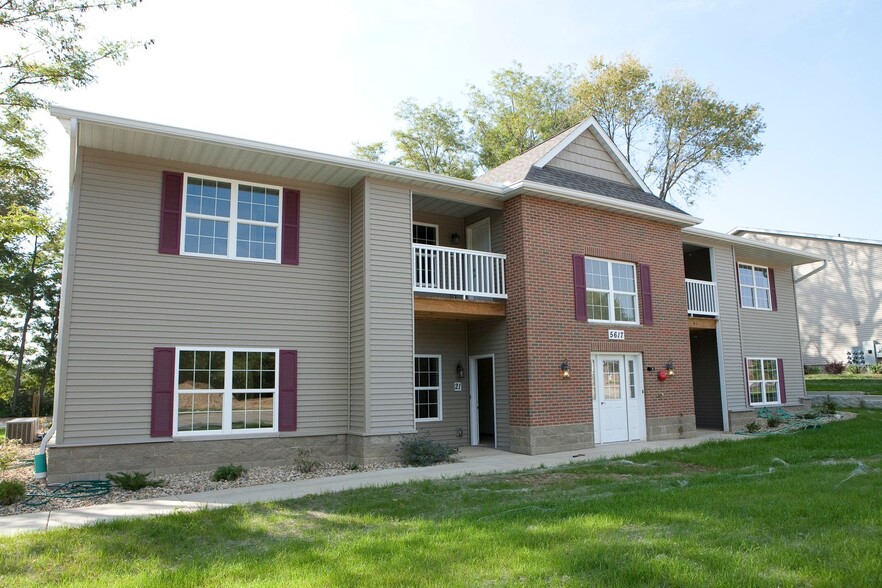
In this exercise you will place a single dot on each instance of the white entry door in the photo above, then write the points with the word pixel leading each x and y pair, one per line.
pixel 618 398
pixel 478 236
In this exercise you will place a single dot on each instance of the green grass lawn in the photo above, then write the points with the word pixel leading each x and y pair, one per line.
pixel 783 510
pixel 868 383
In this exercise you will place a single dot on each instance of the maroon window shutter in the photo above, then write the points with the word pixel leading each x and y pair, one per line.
pixel 170 213
pixel 782 389
pixel 163 402
pixel 287 390
pixel 772 292
pixel 646 295
pixel 291 227
pixel 579 287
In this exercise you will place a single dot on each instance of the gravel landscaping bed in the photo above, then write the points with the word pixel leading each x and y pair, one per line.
pixel 176 483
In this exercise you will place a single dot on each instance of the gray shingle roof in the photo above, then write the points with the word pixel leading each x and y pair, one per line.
pixel 515 169
pixel 585 183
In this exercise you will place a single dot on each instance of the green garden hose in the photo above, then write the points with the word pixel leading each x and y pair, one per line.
pixel 790 423
pixel 38 495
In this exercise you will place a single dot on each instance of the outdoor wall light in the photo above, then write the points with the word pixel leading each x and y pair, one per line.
pixel 670 367
pixel 460 371
pixel 565 370
pixel 454 239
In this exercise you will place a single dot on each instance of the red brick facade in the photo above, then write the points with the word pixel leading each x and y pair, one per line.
pixel 541 236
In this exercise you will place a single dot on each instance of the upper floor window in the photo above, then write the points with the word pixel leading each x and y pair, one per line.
pixel 225 218
pixel 425 234
pixel 755 285
pixel 763 381
pixel 611 291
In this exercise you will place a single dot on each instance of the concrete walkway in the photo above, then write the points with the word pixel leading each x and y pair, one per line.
pixel 473 460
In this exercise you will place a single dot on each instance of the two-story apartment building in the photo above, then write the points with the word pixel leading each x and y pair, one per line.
pixel 226 300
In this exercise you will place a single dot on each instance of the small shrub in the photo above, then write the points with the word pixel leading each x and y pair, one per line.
pixel 8 453
pixel 812 370
pixel 752 427
pixel 808 415
pixel 134 481
pixel 875 368
pixel 773 421
pixel 834 367
pixel 854 369
pixel 352 466
pixel 228 473
pixel 422 451
pixel 11 491
pixel 304 462
pixel 828 406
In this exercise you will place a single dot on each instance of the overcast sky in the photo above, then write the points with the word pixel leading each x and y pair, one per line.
pixel 320 75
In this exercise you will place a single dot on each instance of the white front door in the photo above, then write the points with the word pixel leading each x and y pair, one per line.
pixel 618 398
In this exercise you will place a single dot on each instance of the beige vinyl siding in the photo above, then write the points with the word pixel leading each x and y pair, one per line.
pixel 449 340
pixel 775 334
pixel 447 225
pixel 127 299
pixel 840 306
pixel 586 155
pixel 730 328
pixel 389 318
pixel 485 338
pixel 357 348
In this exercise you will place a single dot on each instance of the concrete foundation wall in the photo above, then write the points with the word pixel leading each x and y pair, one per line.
pixel 551 438
pixel 676 427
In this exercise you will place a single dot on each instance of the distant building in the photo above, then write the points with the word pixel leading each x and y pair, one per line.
pixel 839 306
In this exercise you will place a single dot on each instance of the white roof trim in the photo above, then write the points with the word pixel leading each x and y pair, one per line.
pixel 611 147
pixel 65 114
pixel 741 230
pixel 601 201
pixel 744 242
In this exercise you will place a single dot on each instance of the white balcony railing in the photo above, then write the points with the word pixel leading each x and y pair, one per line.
pixel 701 298
pixel 461 272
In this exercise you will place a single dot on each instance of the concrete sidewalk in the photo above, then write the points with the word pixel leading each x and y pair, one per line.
pixel 473 460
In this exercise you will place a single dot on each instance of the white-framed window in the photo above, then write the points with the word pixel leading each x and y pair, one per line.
pixel 611 291
pixel 763 381
pixel 756 290
pixel 236 220
pixel 427 387
pixel 226 391
pixel 425 234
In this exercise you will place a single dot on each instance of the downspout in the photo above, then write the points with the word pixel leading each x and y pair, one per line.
pixel 40 469
pixel 811 273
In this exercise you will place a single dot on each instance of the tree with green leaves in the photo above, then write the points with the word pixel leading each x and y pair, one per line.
pixel 433 140
pixel 677 134
pixel 375 152
pixel 519 111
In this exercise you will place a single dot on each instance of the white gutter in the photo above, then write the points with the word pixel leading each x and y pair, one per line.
pixel 743 242
pixel 838 239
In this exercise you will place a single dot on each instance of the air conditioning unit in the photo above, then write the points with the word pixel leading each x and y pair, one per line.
pixel 24 430
pixel 872 352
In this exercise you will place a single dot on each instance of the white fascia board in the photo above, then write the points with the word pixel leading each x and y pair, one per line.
pixel 369 168
pixel 599 201
pixel 737 231
pixel 752 243
pixel 611 147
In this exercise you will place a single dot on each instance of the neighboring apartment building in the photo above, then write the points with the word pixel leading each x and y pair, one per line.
pixel 840 301
pixel 232 301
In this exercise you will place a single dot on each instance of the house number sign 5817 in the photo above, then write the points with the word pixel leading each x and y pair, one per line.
pixel 616 335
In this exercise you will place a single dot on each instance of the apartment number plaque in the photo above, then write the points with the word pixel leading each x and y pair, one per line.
pixel 616 335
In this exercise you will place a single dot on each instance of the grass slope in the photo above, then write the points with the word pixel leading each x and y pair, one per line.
pixel 868 383
pixel 773 511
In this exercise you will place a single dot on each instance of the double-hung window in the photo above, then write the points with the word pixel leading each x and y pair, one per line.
pixel 427 387
pixel 611 291
pixel 225 218
pixel 755 286
pixel 226 391
pixel 763 381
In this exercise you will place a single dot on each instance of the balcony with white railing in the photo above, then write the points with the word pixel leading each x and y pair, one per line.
pixel 701 298
pixel 458 272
